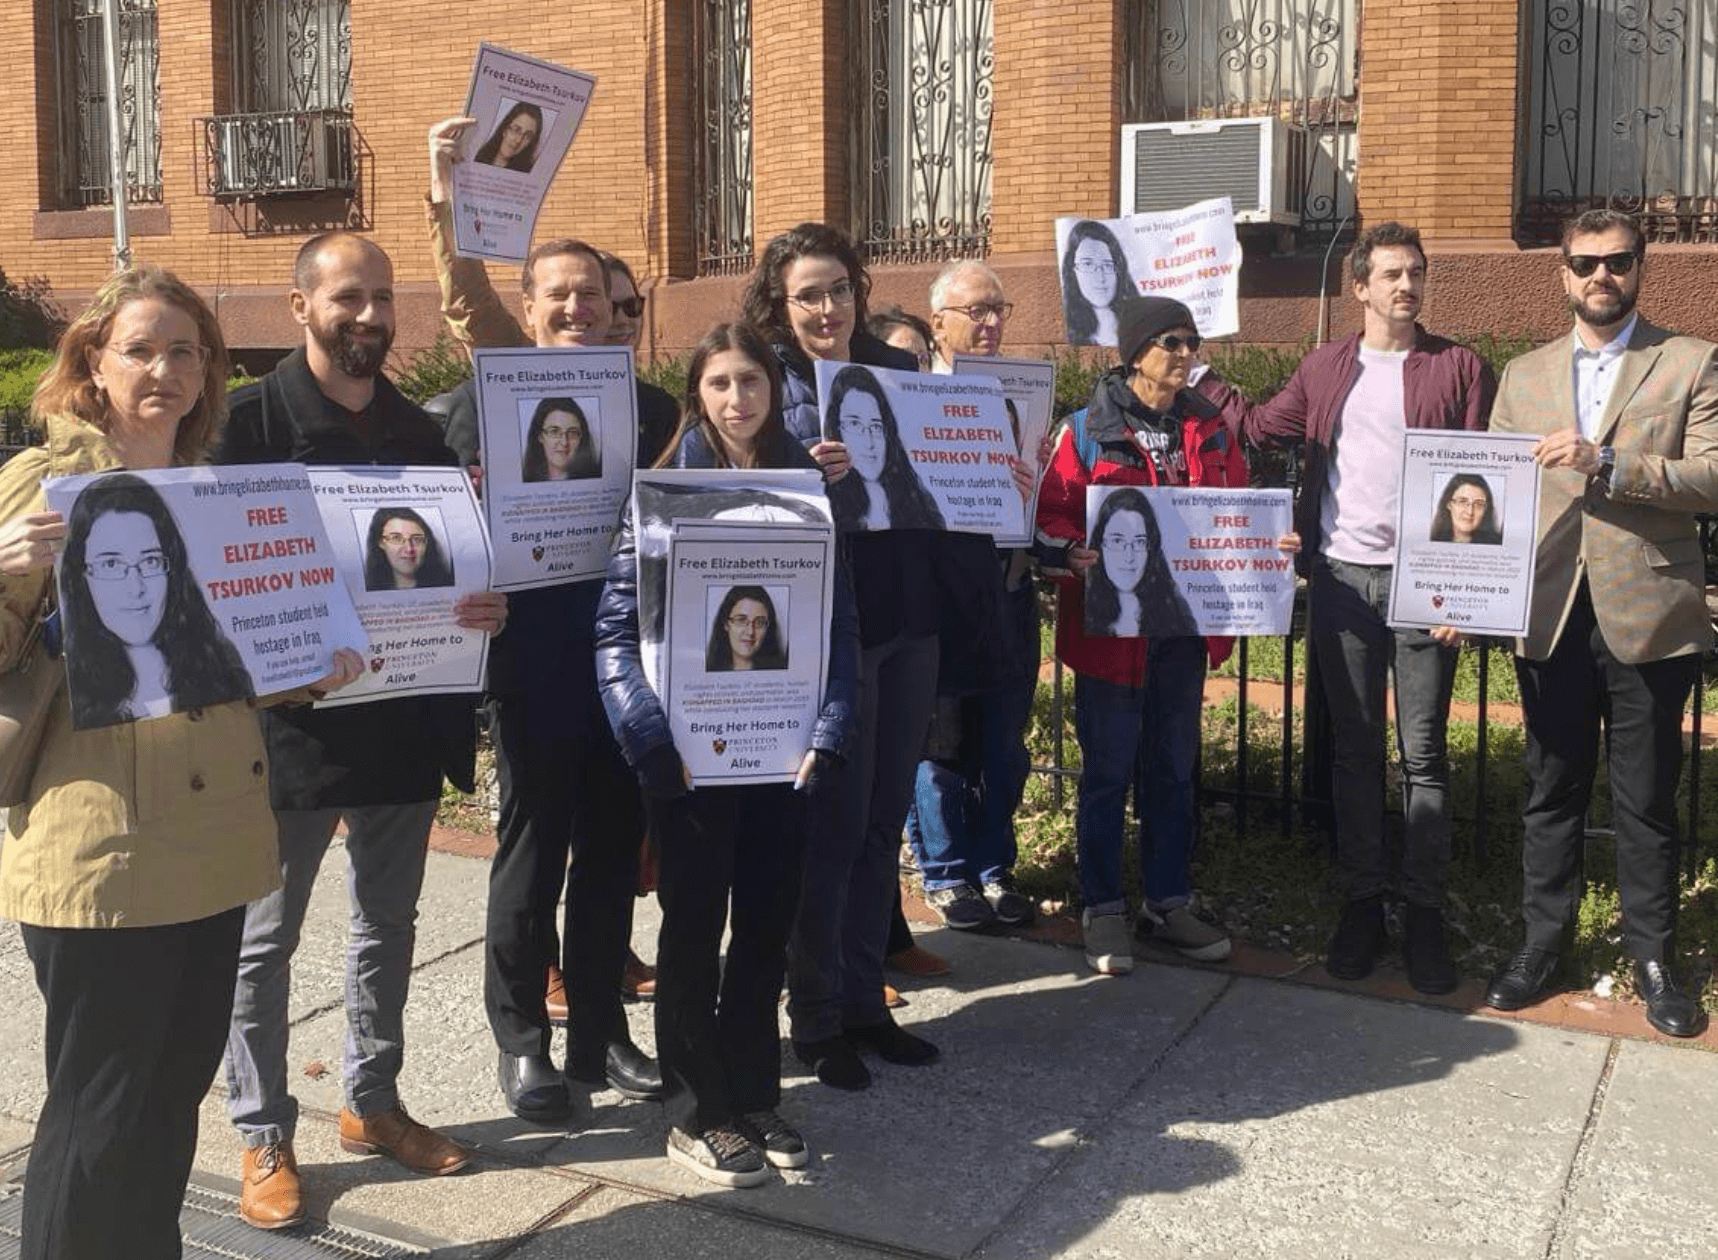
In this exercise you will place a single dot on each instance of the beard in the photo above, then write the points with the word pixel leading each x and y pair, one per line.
pixel 357 359
pixel 1604 309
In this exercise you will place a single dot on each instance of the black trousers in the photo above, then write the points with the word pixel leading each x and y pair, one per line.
pixel 1566 699
pixel 570 812
pixel 734 856
pixel 137 1020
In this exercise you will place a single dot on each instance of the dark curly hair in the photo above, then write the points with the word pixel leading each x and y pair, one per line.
pixel 910 504
pixel 1077 312
pixel 1160 601
pixel 765 302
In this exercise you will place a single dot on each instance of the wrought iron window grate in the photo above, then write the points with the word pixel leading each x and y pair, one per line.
pixel 722 72
pixel 86 167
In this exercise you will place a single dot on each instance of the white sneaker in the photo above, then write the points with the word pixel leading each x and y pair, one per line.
pixel 1109 952
pixel 1186 933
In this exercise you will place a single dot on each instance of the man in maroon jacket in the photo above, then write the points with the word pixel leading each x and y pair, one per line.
pixel 1350 403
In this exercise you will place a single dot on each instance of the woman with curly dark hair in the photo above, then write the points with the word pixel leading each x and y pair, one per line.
pixel 402 553
pixel 513 144
pixel 135 619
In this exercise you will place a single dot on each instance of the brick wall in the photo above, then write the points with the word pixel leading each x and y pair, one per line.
pixel 799 114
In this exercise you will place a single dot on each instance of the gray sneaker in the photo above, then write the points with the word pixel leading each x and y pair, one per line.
pixel 1186 933
pixel 1109 952
pixel 779 1142
pixel 1011 906
pixel 721 1155
pixel 962 907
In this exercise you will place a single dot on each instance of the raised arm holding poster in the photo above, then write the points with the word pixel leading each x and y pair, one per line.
pixel 1191 255
pixel 409 542
pixel 1466 528
pixel 748 610
pixel 927 452
pixel 1179 560
pixel 559 432
pixel 527 113
pixel 188 587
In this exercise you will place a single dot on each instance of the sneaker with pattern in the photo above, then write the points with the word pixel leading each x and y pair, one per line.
pixel 779 1141
pixel 721 1155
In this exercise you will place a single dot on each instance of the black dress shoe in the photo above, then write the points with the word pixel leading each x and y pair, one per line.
pixel 1668 1008
pixel 893 1044
pixel 835 1062
pixel 1426 952
pixel 1358 940
pixel 633 1073
pixel 1524 978
pixel 533 1088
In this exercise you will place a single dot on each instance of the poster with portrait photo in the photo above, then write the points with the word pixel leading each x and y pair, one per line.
pixel 1466 532
pixel 558 429
pixel 748 611
pixel 409 541
pixel 1176 560
pixel 666 501
pixel 188 587
pixel 527 112
pixel 927 452
pixel 1029 394
pixel 1191 254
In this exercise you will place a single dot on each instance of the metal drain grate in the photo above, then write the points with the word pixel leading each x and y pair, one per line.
pixel 213 1231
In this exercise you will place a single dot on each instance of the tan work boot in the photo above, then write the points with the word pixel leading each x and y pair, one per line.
pixel 268 1194
pixel 403 1140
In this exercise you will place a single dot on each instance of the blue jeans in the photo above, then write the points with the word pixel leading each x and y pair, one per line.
pixel 1147 736
pixel 1355 650
pixel 386 848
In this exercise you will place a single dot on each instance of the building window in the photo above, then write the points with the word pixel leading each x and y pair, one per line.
pixel 922 105
pixel 292 91
pixel 722 72
pixel 1622 112
pixel 1297 60
pixel 86 166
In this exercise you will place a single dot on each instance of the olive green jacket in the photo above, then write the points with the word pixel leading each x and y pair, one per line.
pixel 134 825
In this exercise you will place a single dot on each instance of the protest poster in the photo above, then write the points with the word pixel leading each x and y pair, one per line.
pixel 666 498
pixel 1029 394
pixel 559 432
pixel 527 113
pixel 1467 521
pixel 409 542
pixel 748 611
pixel 1188 560
pixel 182 588
pixel 1191 255
pixel 928 451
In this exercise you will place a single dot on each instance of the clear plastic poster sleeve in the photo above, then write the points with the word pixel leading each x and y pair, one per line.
pixel 527 113
pixel 1188 560
pixel 559 434
pixel 188 587
pixel 1467 529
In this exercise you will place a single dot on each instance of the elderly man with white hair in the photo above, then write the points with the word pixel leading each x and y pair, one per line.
pixel 961 827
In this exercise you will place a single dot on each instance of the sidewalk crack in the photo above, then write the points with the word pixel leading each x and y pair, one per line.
pixel 1581 1162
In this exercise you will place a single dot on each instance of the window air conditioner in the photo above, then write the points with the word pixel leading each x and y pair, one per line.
pixel 258 154
pixel 1258 163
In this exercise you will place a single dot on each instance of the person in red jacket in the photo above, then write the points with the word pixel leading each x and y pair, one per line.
pixel 1349 403
pixel 1137 701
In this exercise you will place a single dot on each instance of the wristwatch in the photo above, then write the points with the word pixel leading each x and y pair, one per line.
pixel 1607 462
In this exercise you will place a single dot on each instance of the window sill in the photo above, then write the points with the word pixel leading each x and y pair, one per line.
pixel 97 221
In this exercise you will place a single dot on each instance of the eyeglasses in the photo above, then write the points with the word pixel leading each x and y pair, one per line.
pixel 180 357
pixel 1175 344
pixel 739 622
pixel 631 307
pixel 520 130
pixel 1095 267
pixel 561 432
pixel 868 429
pixel 113 569
pixel 1618 264
pixel 838 294
pixel 404 540
pixel 1118 542
pixel 983 312
pixel 1467 504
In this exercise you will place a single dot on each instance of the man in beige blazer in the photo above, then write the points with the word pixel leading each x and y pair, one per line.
pixel 1629 414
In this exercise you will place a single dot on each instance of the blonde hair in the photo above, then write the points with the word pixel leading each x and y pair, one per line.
pixel 67 388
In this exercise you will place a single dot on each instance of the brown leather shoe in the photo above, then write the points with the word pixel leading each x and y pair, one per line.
pixel 268 1187
pixel 404 1140
pixel 555 999
pixel 916 960
pixel 637 979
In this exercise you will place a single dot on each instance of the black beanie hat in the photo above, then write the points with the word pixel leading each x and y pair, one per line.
pixel 1142 318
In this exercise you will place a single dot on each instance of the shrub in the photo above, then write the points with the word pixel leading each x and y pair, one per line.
pixel 29 316
pixel 668 374
pixel 435 369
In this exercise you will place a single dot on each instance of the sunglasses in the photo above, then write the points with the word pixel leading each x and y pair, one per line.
pixel 1584 265
pixel 1174 344
pixel 632 307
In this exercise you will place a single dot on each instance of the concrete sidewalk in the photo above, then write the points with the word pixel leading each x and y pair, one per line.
pixel 1174 1112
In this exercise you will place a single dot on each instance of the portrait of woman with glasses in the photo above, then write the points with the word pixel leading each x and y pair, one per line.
pixel 139 634
pixel 1467 513
pixel 402 553
pixel 513 144
pixel 882 491
pixel 746 633
pixel 558 445
pixel 1130 587
pixel 1095 281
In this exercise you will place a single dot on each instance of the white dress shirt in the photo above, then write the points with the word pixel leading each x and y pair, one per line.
pixel 1595 374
